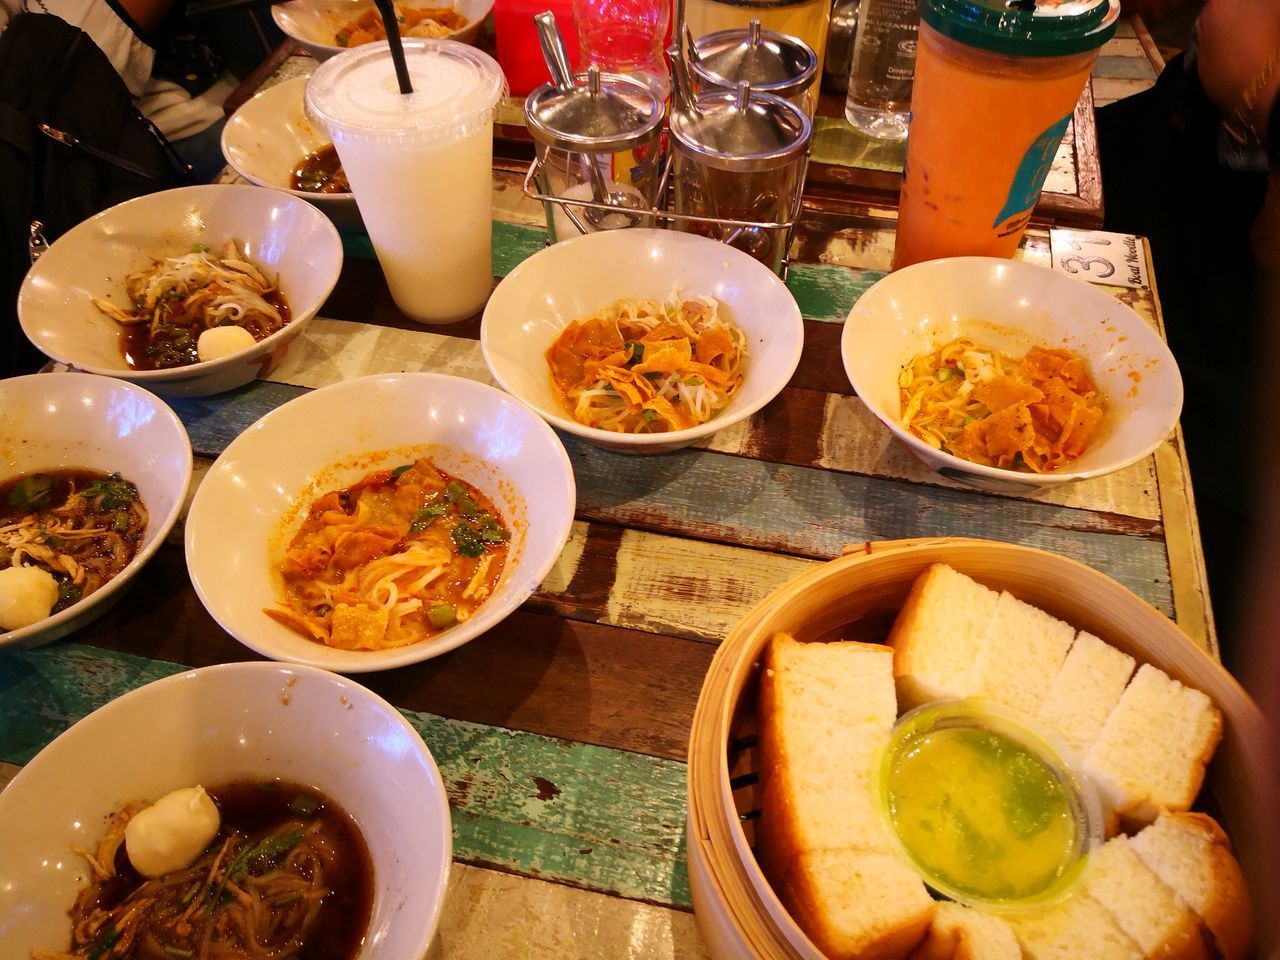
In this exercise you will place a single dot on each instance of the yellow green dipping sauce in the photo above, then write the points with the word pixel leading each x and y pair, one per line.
pixel 983 816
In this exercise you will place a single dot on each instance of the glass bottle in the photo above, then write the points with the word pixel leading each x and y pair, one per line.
pixel 884 61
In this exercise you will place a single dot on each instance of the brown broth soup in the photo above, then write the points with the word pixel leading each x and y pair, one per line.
pixel 288 874
pixel 320 172
pixel 82 526
pixel 173 345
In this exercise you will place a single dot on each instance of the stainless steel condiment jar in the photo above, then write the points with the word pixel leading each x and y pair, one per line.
pixel 771 62
pixel 597 140
pixel 740 156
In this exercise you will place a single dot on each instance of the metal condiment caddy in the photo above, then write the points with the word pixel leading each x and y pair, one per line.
pixel 734 170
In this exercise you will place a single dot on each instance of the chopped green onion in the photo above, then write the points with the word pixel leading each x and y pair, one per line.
pixel 425 517
pixel 469 507
pixel 199 248
pixel 115 491
pixel 304 805
pixel 121 522
pixel 177 951
pixel 442 615
pixel 454 491
pixel 401 469
pixel 68 593
pixel 342 39
pixel 191 893
pixel 322 609
pixel 491 531
pixel 649 415
pixel 30 491
pixel 104 943
pixel 468 540
pixel 637 351
pixel 944 374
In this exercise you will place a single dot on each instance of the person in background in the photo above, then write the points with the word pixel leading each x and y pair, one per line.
pixel 1192 164
pixel 175 80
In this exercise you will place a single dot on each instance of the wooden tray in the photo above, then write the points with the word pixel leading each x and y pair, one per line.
pixel 856 597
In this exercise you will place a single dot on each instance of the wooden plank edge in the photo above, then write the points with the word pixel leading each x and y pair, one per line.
pixel 1188 578
pixel 1149 46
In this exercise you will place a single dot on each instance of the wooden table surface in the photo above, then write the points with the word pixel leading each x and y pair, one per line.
pixel 561 734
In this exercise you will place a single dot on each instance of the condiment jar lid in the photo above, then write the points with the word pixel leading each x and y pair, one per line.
pixel 455 91
pixel 742 130
pixel 1024 27
pixel 771 62
pixel 603 112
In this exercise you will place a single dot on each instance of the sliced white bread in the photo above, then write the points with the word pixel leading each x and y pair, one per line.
pixel 1077 928
pixel 1143 906
pixel 962 933
pixel 855 905
pixel 937 635
pixel 1085 691
pixel 1192 855
pixel 826 711
pixel 1020 652
pixel 1151 753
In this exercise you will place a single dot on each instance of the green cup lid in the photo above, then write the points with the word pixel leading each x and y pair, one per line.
pixel 1024 28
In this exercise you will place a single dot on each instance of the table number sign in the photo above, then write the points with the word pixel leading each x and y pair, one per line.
pixel 1112 259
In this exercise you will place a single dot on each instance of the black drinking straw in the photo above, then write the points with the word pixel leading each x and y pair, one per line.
pixel 388 15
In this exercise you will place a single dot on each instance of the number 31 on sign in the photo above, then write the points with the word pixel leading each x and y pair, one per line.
pixel 1112 259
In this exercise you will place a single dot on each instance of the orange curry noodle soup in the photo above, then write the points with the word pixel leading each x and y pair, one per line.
pixel 397 558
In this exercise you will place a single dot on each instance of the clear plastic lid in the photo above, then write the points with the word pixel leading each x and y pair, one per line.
pixel 455 90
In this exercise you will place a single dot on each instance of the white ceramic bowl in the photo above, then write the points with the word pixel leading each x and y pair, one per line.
pixel 1013 306
pixel 286 235
pixel 239 721
pixel 269 135
pixel 242 515
pixel 66 420
pixel 313 23
pixel 575 278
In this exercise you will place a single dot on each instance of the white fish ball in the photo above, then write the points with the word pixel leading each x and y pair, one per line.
pixel 218 342
pixel 171 833
pixel 27 596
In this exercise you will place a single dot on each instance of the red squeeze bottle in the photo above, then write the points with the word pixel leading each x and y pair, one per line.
pixel 519 53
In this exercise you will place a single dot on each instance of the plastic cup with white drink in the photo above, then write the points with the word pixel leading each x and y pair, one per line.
pixel 420 166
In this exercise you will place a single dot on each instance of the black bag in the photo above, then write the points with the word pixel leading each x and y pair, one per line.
pixel 53 73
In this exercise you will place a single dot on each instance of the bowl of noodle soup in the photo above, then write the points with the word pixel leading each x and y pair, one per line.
pixel 660 279
pixel 1020 311
pixel 392 471
pixel 71 303
pixel 78 423
pixel 247 724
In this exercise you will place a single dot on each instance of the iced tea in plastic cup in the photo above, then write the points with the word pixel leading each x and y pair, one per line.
pixel 420 166
pixel 995 88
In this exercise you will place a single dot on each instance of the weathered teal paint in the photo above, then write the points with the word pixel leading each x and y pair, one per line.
pixel 815 513
pixel 575 813
pixel 805 511
pixel 827 291
pixel 513 243
pixel 823 291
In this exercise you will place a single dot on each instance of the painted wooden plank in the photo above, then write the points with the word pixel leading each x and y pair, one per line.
pixel 1124 28
pixel 686 587
pixel 1107 90
pixel 593 817
pixel 490 914
pixel 853 440
pixel 816 513
pixel 1108 67
pixel 847 438
pixel 1122 47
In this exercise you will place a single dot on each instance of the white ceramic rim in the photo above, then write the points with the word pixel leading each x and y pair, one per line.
pixel 117 583
pixel 35 766
pixel 1160 349
pixel 377 660
pixel 200 368
pixel 613 439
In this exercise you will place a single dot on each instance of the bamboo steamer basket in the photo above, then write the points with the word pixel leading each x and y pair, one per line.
pixel 856 597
